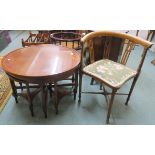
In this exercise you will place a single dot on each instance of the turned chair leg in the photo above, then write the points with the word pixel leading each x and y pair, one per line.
pixel 110 105
pixel 131 89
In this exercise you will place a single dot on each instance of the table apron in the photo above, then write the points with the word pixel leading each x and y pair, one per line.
pixel 44 79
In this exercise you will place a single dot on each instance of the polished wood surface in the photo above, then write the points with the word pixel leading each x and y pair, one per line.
pixel 41 61
pixel 44 65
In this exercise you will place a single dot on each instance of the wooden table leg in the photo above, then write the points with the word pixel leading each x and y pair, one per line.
pixel 29 99
pixel 76 84
pixel 56 97
pixel 14 91
pixel 50 89
pixel 21 85
pixel 44 100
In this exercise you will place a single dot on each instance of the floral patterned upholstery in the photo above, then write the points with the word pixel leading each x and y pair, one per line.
pixel 114 74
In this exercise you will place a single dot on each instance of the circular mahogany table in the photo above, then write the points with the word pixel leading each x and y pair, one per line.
pixel 41 64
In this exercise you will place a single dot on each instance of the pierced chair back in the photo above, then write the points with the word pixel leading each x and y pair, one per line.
pixel 36 39
pixel 114 46
pixel 104 47
pixel 109 53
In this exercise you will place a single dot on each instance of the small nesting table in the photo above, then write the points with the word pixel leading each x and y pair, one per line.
pixel 69 39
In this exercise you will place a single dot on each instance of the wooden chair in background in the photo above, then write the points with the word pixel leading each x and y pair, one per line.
pixel 149 37
pixel 36 39
pixel 150 34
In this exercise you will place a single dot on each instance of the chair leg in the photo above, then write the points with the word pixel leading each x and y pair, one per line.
pixel 80 86
pixel 104 90
pixel 131 89
pixel 110 105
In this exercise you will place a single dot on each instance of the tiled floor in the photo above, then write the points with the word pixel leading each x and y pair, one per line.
pixel 93 109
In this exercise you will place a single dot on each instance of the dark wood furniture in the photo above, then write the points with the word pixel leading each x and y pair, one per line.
pixel 36 39
pixel 149 37
pixel 150 34
pixel 107 68
pixel 40 65
pixel 69 39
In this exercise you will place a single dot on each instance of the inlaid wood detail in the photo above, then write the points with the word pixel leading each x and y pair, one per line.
pixel 130 46
pixel 107 48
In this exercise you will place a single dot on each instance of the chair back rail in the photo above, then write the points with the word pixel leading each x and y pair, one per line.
pixel 36 39
pixel 132 38
pixel 115 46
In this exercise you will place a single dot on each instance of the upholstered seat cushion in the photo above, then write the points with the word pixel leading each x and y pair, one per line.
pixel 110 72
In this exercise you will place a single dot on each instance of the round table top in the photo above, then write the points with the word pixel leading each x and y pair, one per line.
pixel 41 61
